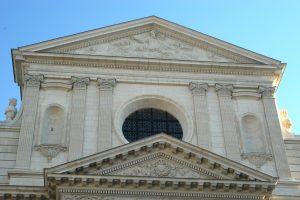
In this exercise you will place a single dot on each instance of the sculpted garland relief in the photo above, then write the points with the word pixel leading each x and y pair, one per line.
pixel 160 168
pixel 153 44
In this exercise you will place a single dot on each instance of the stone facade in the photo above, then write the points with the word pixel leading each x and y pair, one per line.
pixel 66 142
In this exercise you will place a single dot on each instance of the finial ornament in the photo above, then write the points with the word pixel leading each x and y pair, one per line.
pixel 11 110
pixel 198 88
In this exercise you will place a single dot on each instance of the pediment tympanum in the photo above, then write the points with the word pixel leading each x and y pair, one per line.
pixel 152 44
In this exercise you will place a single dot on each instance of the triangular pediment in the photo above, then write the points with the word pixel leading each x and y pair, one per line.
pixel 160 156
pixel 152 44
pixel 153 38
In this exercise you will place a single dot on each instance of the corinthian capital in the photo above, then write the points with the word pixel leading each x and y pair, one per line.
pixel 267 91
pixel 79 82
pixel 106 84
pixel 224 89
pixel 198 88
pixel 33 80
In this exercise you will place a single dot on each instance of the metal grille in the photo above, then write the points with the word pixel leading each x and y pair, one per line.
pixel 147 122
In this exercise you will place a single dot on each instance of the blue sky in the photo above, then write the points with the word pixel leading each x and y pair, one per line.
pixel 271 28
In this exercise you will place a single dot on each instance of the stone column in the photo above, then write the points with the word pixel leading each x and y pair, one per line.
pixel 105 113
pixel 273 123
pixel 228 121
pixel 30 107
pixel 201 114
pixel 77 117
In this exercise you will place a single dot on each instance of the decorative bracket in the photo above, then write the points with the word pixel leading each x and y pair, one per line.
pixel 256 158
pixel 50 150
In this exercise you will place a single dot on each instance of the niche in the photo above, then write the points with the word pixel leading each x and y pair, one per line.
pixel 53 128
pixel 53 131
pixel 253 136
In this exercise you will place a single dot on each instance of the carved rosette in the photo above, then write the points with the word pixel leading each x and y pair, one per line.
pixel 33 80
pixel 198 88
pixel 224 90
pixel 79 82
pixel 257 159
pixel 106 84
pixel 50 150
pixel 267 91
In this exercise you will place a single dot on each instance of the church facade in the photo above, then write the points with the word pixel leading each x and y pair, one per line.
pixel 146 109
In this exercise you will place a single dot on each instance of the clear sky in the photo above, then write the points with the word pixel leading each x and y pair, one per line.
pixel 268 27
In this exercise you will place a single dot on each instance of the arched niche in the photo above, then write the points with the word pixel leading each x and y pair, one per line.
pixel 53 125
pixel 252 134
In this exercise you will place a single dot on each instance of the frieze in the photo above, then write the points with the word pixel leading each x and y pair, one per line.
pixel 89 194
pixel 153 67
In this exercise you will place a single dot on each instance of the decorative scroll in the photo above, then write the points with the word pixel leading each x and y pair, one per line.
pixel 257 159
pixel 50 150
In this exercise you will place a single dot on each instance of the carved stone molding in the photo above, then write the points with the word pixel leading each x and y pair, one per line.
pixel 224 89
pixel 198 88
pixel 79 82
pixel 50 150
pixel 106 84
pixel 267 91
pixel 257 159
pixel 33 80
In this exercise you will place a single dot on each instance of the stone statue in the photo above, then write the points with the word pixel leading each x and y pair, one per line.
pixel 11 110
pixel 285 123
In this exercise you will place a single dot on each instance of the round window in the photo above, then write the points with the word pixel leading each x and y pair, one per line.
pixel 147 122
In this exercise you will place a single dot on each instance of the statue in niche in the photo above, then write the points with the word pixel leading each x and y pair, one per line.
pixel 11 110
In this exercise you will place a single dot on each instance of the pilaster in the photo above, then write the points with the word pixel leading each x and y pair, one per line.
pixel 201 113
pixel 105 113
pixel 270 108
pixel 30 107
pixel 77 117
pixel 228 121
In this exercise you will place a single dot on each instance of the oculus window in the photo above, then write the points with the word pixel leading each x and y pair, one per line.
pixel 147 122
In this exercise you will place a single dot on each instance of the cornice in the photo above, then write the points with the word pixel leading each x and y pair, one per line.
pixel 150 64
pixel 122 185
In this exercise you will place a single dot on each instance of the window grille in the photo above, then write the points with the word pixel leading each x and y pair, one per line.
pixel 147 122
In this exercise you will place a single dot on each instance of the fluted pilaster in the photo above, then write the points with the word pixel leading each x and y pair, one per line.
pixel 270 108
pixel 228 121
pixel 106 87
pixel 201 113
pixel 77 117
pixel 30 107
